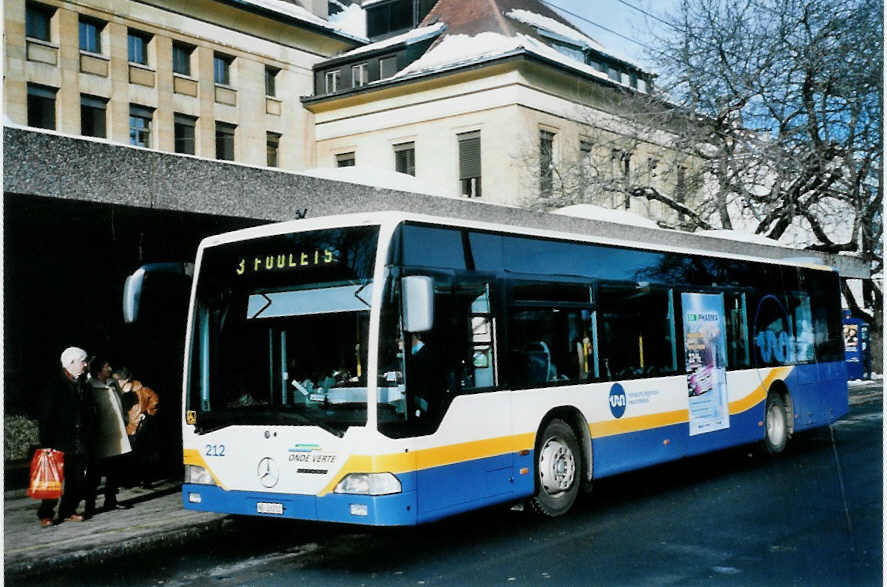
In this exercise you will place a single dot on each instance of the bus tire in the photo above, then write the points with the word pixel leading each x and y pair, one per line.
pixel 775 424
pixel 558 470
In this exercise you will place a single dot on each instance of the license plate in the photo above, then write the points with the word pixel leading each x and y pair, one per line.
pixel 269 508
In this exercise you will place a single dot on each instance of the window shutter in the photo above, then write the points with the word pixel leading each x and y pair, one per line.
pixel 469 155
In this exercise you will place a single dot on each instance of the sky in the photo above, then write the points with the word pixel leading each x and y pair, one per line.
pixel 619 17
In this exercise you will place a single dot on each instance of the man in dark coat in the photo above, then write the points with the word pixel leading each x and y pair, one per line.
pixel 66 425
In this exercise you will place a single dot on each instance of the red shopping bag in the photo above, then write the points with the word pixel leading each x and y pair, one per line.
pixel 47 474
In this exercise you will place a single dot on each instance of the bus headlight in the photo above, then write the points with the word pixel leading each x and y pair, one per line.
pixel 369 484
pixel 198 475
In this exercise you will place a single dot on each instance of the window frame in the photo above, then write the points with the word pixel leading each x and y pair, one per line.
pixel 44 97
pixel 85 22
pixel 184 121
pixel 132 48
pixel 334 76
pixel 363 77
pixel 143 113
pixel 228 132
pixel 470 171
pixel 410 166
pixel 187 51
pixel 387 60
pixel 222 66
pixel 93 104
pixel 38 21
pixel 271 81
pixel 347 159
pixel 272 143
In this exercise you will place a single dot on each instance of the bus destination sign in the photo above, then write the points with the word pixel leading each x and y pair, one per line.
pixel 279 262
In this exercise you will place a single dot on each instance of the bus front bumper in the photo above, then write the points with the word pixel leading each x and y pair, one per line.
pixel 384 510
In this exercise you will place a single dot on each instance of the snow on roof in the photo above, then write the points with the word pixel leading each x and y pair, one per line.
pixel 411 36
pixel 378 178
pixel 562 30
pixel 352 19
pixel 551 25
pixel 592 212
pixel 458 50
pixel 738 235
pixel 299 13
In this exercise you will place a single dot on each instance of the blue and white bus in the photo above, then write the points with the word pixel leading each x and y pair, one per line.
pixel 392 369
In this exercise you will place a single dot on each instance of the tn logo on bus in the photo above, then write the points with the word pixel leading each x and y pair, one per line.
pixel 618 400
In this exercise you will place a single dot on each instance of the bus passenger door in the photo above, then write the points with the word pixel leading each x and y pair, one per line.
pixel 471 418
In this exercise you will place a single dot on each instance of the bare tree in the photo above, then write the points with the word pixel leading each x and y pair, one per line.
pixel 768 116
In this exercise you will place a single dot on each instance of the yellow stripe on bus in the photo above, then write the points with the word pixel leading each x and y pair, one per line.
pixel 760 392
pixel 409 462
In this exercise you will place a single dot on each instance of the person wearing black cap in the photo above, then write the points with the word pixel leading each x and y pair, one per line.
pixel 66 425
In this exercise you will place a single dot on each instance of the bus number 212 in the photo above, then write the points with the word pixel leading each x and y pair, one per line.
pixel 215 450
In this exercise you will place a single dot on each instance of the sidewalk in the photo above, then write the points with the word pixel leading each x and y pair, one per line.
pixel 155 519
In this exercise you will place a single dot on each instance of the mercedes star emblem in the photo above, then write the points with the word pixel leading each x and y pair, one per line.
pixel 268 473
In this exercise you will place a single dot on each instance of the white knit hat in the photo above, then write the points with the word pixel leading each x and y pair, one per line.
pixel 72 355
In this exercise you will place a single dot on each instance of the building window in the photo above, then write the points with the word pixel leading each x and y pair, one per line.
pixel 345 160
pixel 332 81
pixel 546 161
pixel 469 164
pixel 614 74
pixel 140 119
pixel 137 42
pixel 181 58
pixel 387 67
pixel 272 143
pixel 91 35
pixel 359 75
pixel 184 128
pixel 271 81
pixel 222 69
pixel 37 21
pixel 405 158
pixel 225 141
pixel 41 106
pixel 93 116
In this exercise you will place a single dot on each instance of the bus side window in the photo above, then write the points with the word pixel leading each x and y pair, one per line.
pixel 637 331
pixel 737 331
pixel 551 345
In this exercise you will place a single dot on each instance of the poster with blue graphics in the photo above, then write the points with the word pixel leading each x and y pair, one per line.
pixel 705 344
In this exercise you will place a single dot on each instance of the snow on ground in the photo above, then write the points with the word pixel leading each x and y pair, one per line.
pixel 378 178
pixel 592 212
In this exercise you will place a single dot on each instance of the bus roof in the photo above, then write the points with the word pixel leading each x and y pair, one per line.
pixel 555 226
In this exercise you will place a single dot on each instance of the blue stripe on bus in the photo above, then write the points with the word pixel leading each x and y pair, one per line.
pixel 383 510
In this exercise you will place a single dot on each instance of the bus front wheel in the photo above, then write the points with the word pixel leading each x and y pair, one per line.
pixel 775 424
pixel 558 470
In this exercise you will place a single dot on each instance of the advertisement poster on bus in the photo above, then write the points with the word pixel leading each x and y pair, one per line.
pixel 705 344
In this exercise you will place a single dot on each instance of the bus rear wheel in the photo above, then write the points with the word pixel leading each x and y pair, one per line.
pixel 558 470
pixel 775 424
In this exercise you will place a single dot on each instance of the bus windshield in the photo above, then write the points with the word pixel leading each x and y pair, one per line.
pixel 280 331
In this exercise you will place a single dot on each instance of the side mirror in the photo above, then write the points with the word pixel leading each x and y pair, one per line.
pixel 135 284
pixel 418 303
